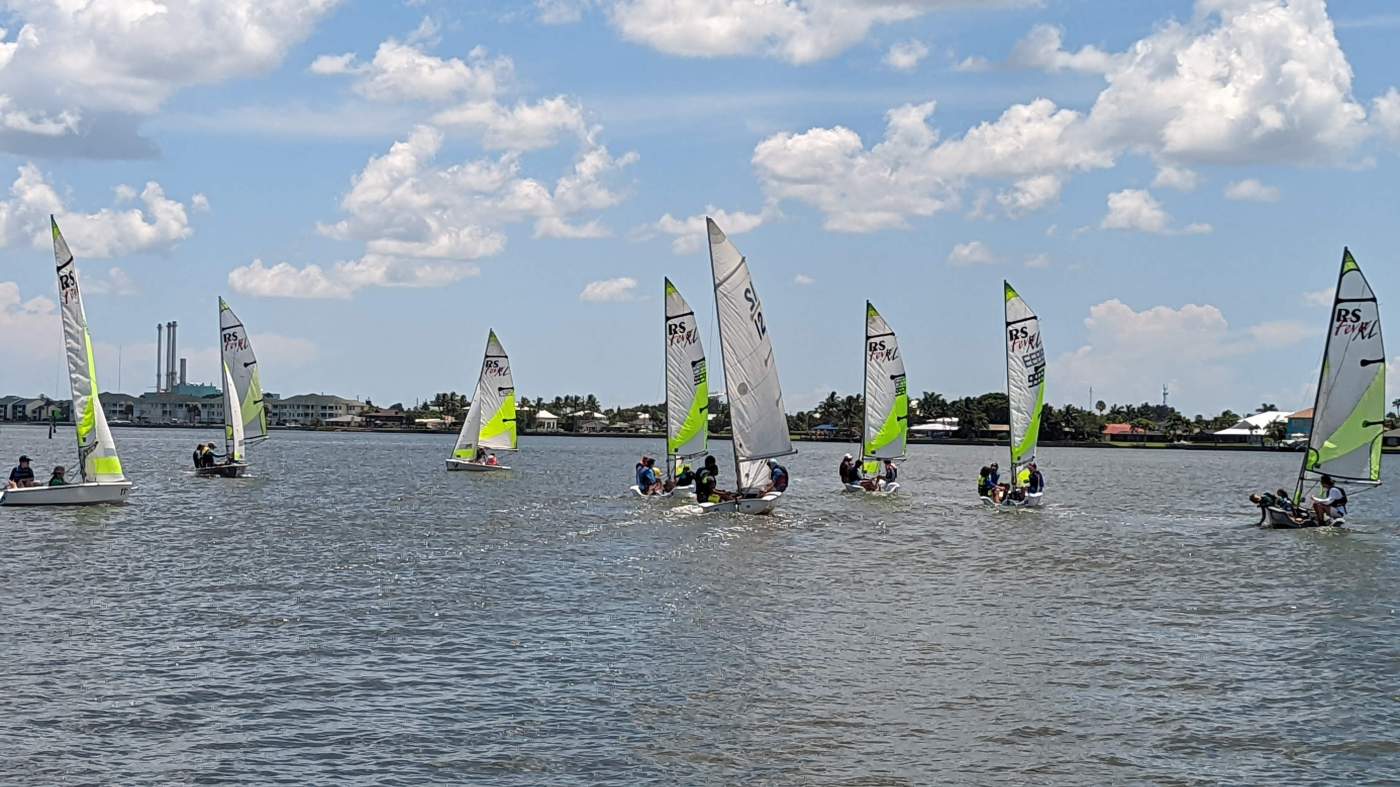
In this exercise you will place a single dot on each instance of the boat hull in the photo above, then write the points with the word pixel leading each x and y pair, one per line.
pixel 235 470
pixel 1272 518
pixel 756 506
pixel 67 495
pixel 1031 501
pixel 887 489
pixel 473 467
pixel 677 490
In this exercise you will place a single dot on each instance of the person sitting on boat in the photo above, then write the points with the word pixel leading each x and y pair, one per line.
pixel 685 476
pixel 491 460
pixel 706 480
pixel 57 478
pixel 845 469
pixel 984 482
pixel 997 488
pixel 647 481
pixel 480 457
pixel 208 458
pixel 890 475
pixel 199 456
pixel 779 477
pixel 1035 483
pixel 1332 503
pixel 22 475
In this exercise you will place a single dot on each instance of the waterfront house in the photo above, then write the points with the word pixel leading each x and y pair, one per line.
pixel 545 421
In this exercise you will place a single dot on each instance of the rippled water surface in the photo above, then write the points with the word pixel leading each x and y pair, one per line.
pixel 355 614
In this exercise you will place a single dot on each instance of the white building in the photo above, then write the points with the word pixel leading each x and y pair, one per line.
pixel 311 408
pixel 1255 427
pixel 545 421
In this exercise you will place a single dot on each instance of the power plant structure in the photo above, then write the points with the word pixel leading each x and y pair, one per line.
pixel 167 352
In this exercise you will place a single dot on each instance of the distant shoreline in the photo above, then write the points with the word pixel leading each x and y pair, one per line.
pixel 725 436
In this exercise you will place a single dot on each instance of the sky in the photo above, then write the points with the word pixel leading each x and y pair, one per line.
pixel 373 185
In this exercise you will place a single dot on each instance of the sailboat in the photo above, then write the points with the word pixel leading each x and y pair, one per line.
pixel 687 388
pixel 886 429
pixel 1025 393
pixel 99 468
pixel 245 417
pixel 490 423
pixel 757 419
pixel 1349 411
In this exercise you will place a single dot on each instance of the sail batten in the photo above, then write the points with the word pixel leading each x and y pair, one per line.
pixel 687 381
pixel 97 451
pixel 1025 379
pixel 1349 408
pixel 758 420
pixel 886 429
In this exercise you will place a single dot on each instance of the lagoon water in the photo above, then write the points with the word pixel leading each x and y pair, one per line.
pixel 356 615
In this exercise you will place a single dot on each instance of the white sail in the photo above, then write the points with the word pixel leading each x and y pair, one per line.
pixel 1349 413
pixel 242 366
pixel 756 414
pixel 234 441
pixel 97 452
pixel 1025 379
pixel 687 382
pixel 491 419
pixel 886 394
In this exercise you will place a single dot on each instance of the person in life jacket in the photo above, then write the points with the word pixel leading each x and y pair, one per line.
pixel 705 482
pixel 984 482
pixel 847 470
pixel 1331 504
pixel 1035 482
pixel 778 475
pixel 685 476
pixel 891 473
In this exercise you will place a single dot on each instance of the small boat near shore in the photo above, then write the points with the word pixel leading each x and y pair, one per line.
pixel 1025 394
pixel 490 424
pixel 687 391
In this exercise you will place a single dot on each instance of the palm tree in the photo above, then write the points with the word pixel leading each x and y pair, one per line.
pixel 1267 407
pixel 1396 405
pixel 1100 405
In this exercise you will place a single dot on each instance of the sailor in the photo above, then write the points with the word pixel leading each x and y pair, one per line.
pixel 491 460
pixel 1035 483
pixel 22 475
pixel 891 473
pixel 207 458
pixel 984 482
pixel 57 478
pixel 705 481
pixel 480 457
pixel 685 476
pixel 199 456
pixel 1331 504
pixel 646 479
pixel 779 476
pixel 846 470
pixel 996 488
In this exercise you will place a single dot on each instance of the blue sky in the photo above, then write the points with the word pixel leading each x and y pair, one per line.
pixel 374 184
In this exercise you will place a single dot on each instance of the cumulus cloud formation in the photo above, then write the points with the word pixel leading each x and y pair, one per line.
pixel 115 282
pixel 689 234
pixel 906 55
pixel 622 288
pixel 1245 81
pixel 1135 209
pixel 1129 354
pixel 141 221
pixel 803 280
pixel 402 70
pixel 1386 112
pixel 1251 190
pixel 798 32
pixel 74 77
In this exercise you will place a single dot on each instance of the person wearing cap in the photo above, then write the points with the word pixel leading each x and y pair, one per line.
pixel 890 475
pixel 1331 504
pixel 850 473
pixel 22 475
pixel 57 478
pixel 779 477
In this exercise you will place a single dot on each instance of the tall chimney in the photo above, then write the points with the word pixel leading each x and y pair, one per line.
pixel 160 347
pixel 182 371
pixel 170 355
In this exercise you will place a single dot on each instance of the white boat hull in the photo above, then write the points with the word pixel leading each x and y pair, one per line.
pixel 473 467
pixel 676 490
pixel 1031 501
pixel 744 505
pixel 887 489
pixel 67 495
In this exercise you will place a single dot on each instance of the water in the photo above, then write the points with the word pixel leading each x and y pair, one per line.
pixel 356 615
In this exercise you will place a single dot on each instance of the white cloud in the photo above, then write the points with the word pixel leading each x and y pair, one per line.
pixel 1043 49
pixel 689 234
pixel 1385 112
pixel 973 64
pixel 609 290
pixel 1135 209
pixel 906 55
pixel 1173 177
pixel 803 280
pixel 1245 81
pixel 158 222
pixel 1322 297
pixel 285 281
pixel 1038 261
pixel 1251 190
pixel 33 319
pixel 77 73
pixel 1130 354
pixel 1031 194
pixel 798 32
pixel 403 71
pixel 971 253
pixel 524 126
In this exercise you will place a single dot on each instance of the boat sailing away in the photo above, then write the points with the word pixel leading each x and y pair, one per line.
pixel 687 391
pixel 490 423
pixel 886 430
pixel 98 465
pixel 1025 393
pixel 245 417
pixel 1349 411
pixel 757 419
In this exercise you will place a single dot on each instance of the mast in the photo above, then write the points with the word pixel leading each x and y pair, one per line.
pixel 865 384
pixel 1010 433
pixel 665 382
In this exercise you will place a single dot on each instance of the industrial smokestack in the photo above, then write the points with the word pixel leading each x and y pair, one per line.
pixel 160 347
pixel 182 371
pixel 170 355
